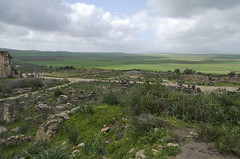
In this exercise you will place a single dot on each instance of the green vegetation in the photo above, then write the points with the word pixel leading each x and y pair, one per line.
pixel 139 117
pixel 205 63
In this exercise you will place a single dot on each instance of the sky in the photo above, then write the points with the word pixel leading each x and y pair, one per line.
pixel 134 26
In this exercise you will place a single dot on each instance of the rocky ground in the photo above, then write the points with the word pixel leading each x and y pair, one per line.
pixel 75 120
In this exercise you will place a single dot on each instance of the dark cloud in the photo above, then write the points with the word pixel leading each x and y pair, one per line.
pixel 189 8
pixel 47 15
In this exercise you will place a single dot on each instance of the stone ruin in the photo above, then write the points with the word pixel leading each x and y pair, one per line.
pixel 10 109
pixel 6 65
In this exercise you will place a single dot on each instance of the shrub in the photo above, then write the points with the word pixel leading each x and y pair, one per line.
pixel 58 92
pixel 24 127
pixel 222 139
pixel 188 71
pixel 110 98
pixel 146 122
pixel 86 109
pixel 36 148
pixel 56 153
pixel 72 134
pixel 177 71
pixel 232 74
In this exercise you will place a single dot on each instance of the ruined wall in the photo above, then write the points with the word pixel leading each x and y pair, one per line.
pixel 10 109
pixel 6 65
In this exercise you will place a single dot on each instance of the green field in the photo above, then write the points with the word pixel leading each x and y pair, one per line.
pixel 206 63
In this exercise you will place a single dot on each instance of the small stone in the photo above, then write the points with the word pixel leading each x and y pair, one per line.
pixel 16 130
pixel 132 150
pixel 171 144
pixel 81 144
pixel 105 129
pixel 141 154
pixel 75 152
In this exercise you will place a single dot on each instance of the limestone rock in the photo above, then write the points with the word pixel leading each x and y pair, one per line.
pixel 171 144
pixel 42 106
pixel 15 140
pixel 106 129
pixel 3 129
pixel 132 150
pixel 63 115
pixel 47 130
pixel 16 130
pixel 141 154
pixel 81 144
pixel 62 99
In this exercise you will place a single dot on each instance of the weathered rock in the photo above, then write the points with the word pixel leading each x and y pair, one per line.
pixel 74 110
pixel 74 153
pixel 174 145
pixel 6 65
pixel 3 129
pixel 15 140
pixel 16 130
pixel 132 150
pixel 42 106
pixel 10 110
pixel 47 130
pixel 62 99
pixel 81 144
pixel 63 115
pixel 141 154
pixel 60 108
pixel 105 129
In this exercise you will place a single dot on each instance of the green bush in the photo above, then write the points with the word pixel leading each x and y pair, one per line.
pixel 56 153
pixel 86 109
pixel 58 92
pixel 222 139
pixel 177 71
pixel 72 134
pixel 146 122
pixel 188 71
pixel 35 148
pixel 110 98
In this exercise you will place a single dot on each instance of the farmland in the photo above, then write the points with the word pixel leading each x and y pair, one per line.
pixel 205 63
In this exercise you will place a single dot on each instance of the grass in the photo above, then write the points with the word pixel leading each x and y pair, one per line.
pixel 132 121
pixel 206 63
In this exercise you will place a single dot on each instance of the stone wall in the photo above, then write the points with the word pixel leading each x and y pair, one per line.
pixel 6 65
pixel 10 109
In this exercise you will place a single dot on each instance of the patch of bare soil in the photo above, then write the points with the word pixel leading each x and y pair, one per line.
pixel 194 149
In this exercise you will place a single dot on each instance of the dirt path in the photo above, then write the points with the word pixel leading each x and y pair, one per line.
pixel 195 149
pixel 75 80
pixel 204 88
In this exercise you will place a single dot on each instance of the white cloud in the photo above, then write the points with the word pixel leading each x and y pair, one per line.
pixel 55 21
pixel 172 25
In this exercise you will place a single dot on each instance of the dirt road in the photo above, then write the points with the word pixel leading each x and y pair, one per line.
pixel 165 82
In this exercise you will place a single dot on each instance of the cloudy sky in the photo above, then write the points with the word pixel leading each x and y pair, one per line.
pixel 121 25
